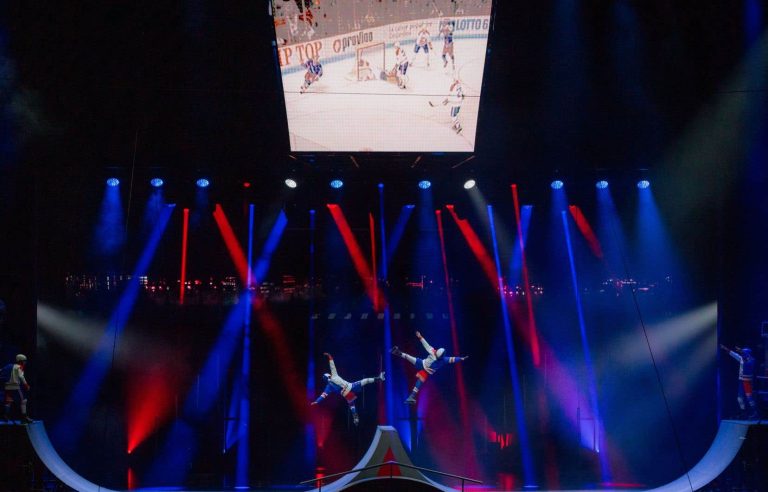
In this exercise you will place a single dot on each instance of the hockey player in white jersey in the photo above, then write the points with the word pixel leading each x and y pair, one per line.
pixel 402 65
pixel 423 42
pixel 313 74
pixel 455 98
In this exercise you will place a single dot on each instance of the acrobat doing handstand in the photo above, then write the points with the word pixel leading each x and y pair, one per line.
pixel 426 367
pixel 335 384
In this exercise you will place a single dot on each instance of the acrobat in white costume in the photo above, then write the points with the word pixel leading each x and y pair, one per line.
pixel 426 367
pixel 337 384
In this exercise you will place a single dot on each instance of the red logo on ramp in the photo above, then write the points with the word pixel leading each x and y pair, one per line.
pixel 389 470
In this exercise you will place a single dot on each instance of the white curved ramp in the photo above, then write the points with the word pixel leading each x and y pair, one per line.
pixel 51 459
pixel 720 454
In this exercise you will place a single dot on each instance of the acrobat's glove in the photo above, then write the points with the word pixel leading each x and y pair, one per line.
pixel 328 355
pixel 380 377
pixel 395 351
pixel 418 335
pixel 311 404
pixel 465 358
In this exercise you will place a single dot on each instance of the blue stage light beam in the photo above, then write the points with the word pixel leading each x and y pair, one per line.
pixel 109 235
pixel 200 214
pixel 611 235
pixel 269 247
pixel 516 263
pixel 399 229
pixel 76 410
pixel 310 435
pixel 753 20
pixel 388 384
pixel 237 427
pixel 591 383
pixel 181 446
pixel 153 208
pixel 525 447
pixel 243 418
pixel 656 259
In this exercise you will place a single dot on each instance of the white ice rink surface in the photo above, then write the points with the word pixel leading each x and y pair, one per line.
pixel 338 114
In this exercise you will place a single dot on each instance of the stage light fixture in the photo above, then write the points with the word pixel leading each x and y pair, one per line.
pixel 601 185
pixel 246 184
pixel 291 183
pixel 203 183
pixel 156 182
pixel 643 184
pixel 336 184
pixel 425 184
pixel 556 184
pixel 469 184
pixel 113 182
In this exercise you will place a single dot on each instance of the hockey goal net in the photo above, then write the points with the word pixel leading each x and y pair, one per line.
pixel 370 61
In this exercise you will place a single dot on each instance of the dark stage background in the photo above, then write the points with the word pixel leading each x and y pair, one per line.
pixel 673 92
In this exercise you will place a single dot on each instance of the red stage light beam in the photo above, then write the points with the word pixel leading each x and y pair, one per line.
pixel 477 247
pixel 374 277
pixel 356 253
pixel 533 336
pixel 463 405
pixel 184 236
pixel 270 325
pixel 586 230
pixel 233 245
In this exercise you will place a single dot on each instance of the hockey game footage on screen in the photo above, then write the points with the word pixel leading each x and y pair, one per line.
pixel 382 75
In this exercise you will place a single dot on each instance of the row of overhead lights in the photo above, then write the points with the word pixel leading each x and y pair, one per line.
pixel 158 182
pixel 600 185
pixel 338 183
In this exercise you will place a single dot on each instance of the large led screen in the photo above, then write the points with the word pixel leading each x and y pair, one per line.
pixel 382 75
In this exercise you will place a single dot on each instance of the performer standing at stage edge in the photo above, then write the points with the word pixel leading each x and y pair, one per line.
pixel 746 378
pixel 336 384
pixel 426 367
pixel 16 388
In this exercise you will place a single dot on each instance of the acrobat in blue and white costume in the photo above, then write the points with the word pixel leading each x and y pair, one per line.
pixel 426 367
pixel 336 384
pixel 746 379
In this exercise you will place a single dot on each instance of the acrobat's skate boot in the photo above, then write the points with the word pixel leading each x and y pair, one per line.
pixel 410 400
pixel 395 351
pixel 26 420
pixel 355 419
